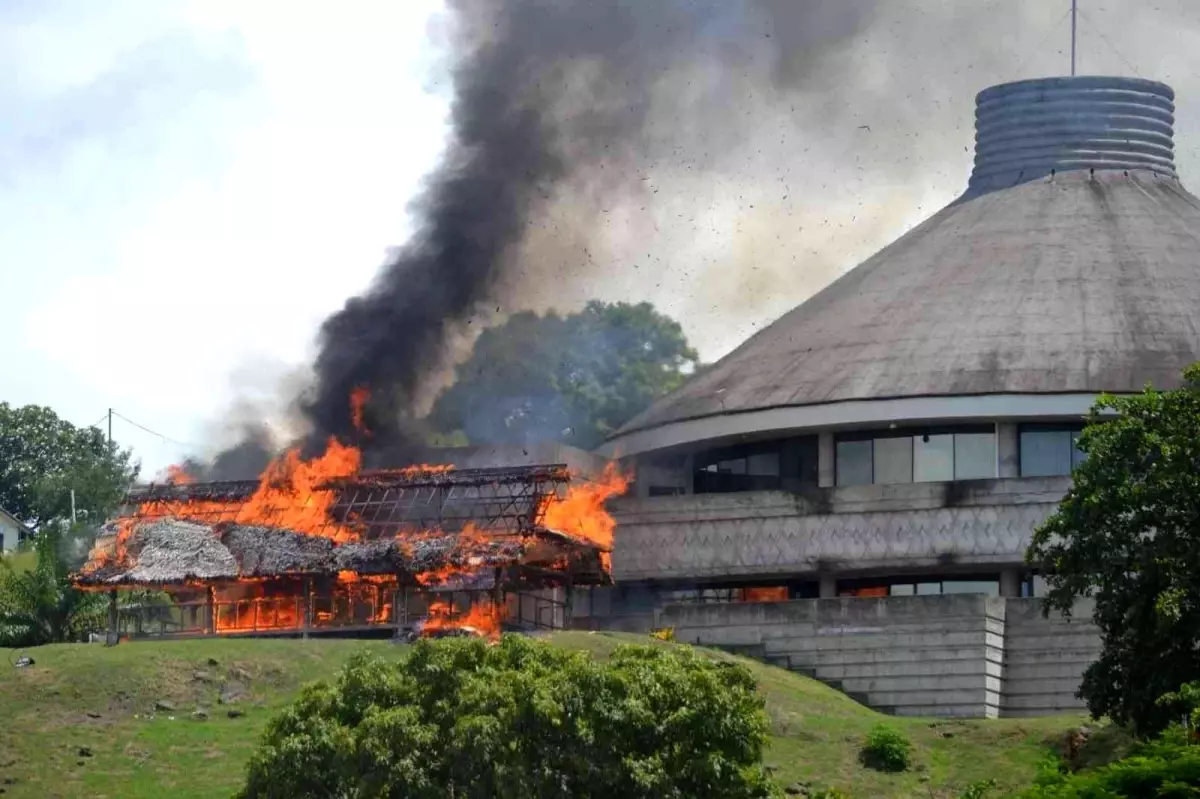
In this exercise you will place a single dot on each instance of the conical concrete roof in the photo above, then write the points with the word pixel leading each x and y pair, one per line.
pixel 1071 265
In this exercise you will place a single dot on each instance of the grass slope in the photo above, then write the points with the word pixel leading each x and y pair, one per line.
pixel 88 697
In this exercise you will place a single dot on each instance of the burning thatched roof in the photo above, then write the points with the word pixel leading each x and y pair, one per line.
pixel 184 550
pixel 409 523
pixel 176 552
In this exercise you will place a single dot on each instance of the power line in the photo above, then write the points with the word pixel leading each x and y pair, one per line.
pixel 143 428
pixel 1050 32
pixel 1096 29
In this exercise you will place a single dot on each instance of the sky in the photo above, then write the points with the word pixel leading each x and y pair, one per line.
pixel 187 189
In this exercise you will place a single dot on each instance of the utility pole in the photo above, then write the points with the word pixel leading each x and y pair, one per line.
pixel 110 409
pixel 1074 20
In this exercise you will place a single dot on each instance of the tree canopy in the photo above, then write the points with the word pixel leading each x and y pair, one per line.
pixel 520 720
pixel 43 457
pixel 573 378
pixel 1128 534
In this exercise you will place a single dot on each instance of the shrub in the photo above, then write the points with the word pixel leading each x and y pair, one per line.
pixel 520 719
pixel 886 749
pixel 978 790
pixel 1165 769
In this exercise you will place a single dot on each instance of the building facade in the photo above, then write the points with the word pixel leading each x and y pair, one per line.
pixel 12 532
pixel 852 490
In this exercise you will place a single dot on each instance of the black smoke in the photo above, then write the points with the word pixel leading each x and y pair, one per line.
pixel 548 93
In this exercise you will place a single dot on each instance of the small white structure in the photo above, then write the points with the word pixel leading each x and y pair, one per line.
pixel 12 531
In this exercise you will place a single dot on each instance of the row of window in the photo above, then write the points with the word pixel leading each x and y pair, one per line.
pixel 916 459
pixel 934 457
pixel 884 457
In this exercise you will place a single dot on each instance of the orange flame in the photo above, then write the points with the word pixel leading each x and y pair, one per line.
pixel 483 616
pixel 582 513
pixel 177 475
pixel 358 402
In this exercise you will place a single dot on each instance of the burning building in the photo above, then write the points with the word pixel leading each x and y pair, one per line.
pixel 880 456
pixel 324 546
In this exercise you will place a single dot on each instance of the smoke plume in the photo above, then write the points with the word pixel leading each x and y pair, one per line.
pixel 548 95
pixel 723 159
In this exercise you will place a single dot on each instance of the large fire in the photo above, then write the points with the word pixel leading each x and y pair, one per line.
pixel 483 617
pixel 582 513
pixel 296 495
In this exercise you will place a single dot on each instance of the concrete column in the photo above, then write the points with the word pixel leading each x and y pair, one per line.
pixel 828 586
pixel 1010 583
pixel 689 475
pixel 826 452
pixel 641 478
pixel 1007 451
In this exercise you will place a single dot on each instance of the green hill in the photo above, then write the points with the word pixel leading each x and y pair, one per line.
pixel 82 721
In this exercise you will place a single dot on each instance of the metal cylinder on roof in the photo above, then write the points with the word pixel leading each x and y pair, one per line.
pixel 1028 129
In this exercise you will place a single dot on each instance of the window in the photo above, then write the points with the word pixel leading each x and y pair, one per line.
pixel 854 463
pixel 974 456
pixel 893 460
pixel 932 585
pixel 745 468
pixel 932 456
pixel 1048 451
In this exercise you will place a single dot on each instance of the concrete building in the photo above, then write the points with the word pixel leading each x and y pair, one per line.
pixel 852 490
pixel 12 531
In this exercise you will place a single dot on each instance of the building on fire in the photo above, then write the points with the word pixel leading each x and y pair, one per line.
pixel 896 438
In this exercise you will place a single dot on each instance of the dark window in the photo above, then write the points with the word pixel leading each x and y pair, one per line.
pixel 933 585
pixel 854 463
pixel 1048 450
pixel 752 467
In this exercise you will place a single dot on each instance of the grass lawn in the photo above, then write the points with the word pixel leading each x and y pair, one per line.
pixel 98 700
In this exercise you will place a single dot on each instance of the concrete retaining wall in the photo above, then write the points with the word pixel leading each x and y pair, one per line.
pixel 918 656
pixel 947 656
pixel 1044 658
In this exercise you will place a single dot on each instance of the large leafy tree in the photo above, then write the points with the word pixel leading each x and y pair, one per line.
pixel 573 378
pixel 1128 534
pixel 520 720
pixel 43 458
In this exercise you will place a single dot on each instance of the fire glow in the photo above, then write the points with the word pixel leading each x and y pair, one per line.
pixel 298 498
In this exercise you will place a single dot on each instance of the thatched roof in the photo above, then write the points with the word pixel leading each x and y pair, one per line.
pixel 174 552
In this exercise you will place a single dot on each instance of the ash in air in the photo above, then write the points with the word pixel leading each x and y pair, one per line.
pixel 545 93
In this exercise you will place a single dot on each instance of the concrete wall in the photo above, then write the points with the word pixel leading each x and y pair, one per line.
pixel 914 656
pixel 861 528
pixel 946 656
pixel 1044 658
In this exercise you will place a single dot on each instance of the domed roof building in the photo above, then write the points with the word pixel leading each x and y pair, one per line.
pixel 899 435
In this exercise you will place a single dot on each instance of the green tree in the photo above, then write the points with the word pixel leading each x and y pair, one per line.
pixel 43 457
pixel 520 720
pixel 1128 535
pixel 39 605
pixel 573 378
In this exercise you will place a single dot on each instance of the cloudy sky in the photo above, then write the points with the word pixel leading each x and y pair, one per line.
pixel 188 188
